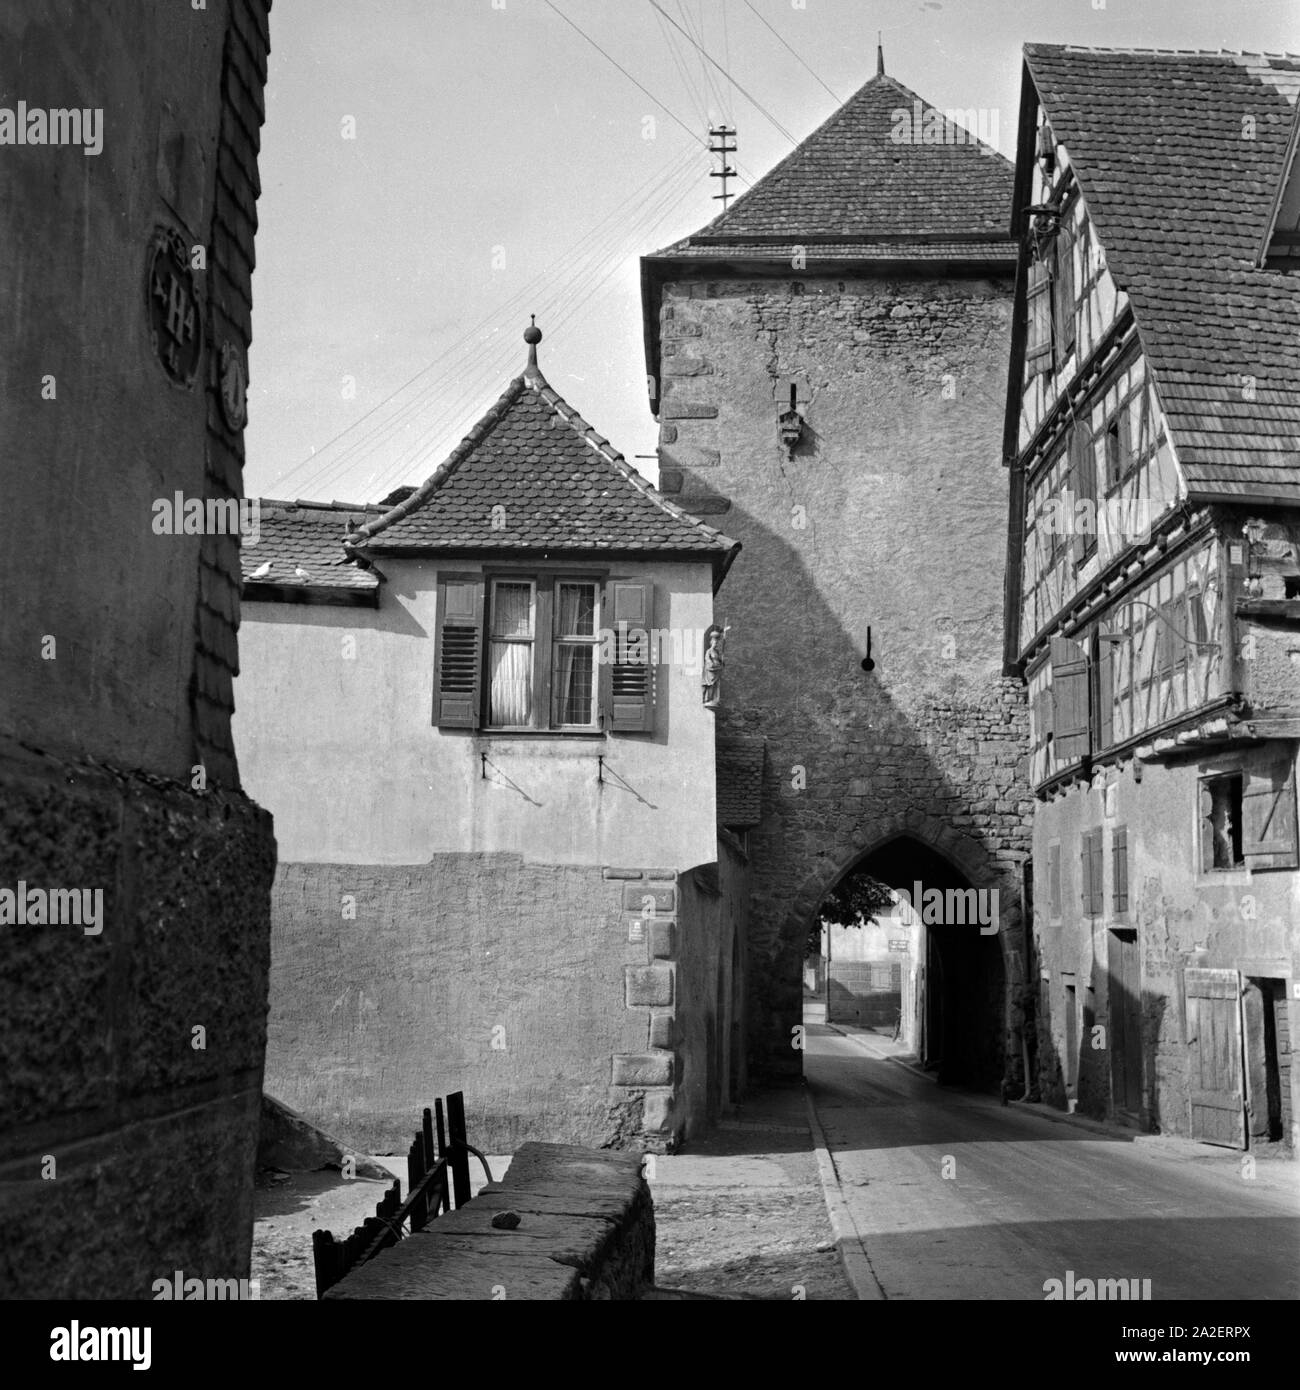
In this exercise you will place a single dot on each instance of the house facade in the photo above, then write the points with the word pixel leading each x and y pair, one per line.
pixel 827 361
pixel 478 715
pixel 1154 594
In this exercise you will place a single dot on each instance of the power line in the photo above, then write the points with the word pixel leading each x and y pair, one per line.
pixel 753 101
pixel 627 74
pixel 797 58
pixel 619 214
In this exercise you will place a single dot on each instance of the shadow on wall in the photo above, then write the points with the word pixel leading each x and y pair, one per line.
pixel 850 767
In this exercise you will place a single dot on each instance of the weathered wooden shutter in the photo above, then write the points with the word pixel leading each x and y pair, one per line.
pixel 1063 303
pixel 1087 893
pixel 458 660
pixel 1104 723
pixel 1205 796
pixel 1083 483
pixel 1069 700
pixel 1217 1090
pixel 1119 866
pixel 1268 813
pixel 1169 640
pixel 1038 302
pixel 1054 880
pixel 628 683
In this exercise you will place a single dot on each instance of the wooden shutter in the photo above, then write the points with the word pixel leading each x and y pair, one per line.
pixel 1087 897
pixel 1063 299
pixel 1069 701
pixel 1038 302
pixel 1054 880
pixel 1205 796
pixel 458 660
pixel 1268 813
pixel 628 684
pixel 1217 1090
pixel 1119 867
pixel 1104 710
pixel 1171 648
pixel 1083 484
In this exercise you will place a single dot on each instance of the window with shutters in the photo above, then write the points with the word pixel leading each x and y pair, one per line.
pixel 1221 840
pixel 1119 867
pixel 526 653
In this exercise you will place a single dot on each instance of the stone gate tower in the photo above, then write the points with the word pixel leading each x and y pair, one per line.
pixel 828 366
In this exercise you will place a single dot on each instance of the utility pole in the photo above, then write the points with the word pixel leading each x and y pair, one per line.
pixel 722 134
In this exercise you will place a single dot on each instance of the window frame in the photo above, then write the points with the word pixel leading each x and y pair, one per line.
pixel 558 639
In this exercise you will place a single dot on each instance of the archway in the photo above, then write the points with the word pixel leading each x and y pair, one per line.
pixel 944 967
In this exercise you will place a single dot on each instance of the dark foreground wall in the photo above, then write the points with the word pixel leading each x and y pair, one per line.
pixel 132 1052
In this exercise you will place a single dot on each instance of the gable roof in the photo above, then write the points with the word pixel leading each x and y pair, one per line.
pixel 306 536
pixel 1180 157
pixel 559 485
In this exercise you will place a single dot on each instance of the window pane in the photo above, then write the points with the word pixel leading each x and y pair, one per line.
pixel 511 684
pixel 575 670
pixel 577 611
pixel 512 610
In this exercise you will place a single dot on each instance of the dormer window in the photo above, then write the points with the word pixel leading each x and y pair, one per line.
pixel 544 652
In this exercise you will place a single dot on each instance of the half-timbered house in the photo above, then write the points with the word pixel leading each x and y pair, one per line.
pixel 1152 427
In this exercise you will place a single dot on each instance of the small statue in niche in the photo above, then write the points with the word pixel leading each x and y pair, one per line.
pixel 714 639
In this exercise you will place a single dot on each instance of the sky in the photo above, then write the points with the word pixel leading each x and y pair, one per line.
pixel 436 171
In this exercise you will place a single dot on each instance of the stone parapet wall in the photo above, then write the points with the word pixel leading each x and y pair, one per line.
pixel 585 1232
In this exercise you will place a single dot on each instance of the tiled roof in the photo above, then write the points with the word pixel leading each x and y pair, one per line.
pixel 740 779
pixel 844 250
pixel 306 537
pixel 533 475
pixel 1180 157
pixel 856 177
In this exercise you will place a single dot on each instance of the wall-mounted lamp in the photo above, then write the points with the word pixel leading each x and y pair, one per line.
pixel 1046 149
pixel 867 663
pixel 791 423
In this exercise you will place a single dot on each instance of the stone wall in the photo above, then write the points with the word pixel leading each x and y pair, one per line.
pixel 583 1231
pixel 134 1054
pixel 566 1001
pixel 887 520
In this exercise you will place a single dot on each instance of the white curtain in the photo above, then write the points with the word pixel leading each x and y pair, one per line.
pixel 511 663
pixel 574 662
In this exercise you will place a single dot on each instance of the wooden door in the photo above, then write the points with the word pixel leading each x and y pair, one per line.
pixel 1125 1006
pixel 1214 1057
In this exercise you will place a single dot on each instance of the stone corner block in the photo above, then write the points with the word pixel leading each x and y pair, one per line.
pixel 649 986
pixel 657 1113
pixel 662 1029
pixel 663 896
pixel 663 932
pixel 643 1069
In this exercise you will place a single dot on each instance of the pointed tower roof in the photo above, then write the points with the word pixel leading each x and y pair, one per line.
pixel 870 172
pixel 534 476
pixel 887 182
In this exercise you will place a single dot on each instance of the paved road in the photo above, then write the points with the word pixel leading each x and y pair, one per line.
pixel 1029 1199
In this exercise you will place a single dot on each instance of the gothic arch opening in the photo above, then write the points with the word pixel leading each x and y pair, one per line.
pixel 949 981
